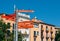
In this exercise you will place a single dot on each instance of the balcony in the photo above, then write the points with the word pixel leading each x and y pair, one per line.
pixel 51 31
pixel 47 36
pixel 42 29
pixel 24 31
pixel 35 35
pixel 42 36
pixel 48 39
pixel 47 30
pixel 52 36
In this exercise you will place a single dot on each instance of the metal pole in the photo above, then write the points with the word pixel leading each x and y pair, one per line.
pixel 14 31
pixel 16 26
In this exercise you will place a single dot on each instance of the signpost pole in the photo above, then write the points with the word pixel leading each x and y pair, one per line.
pixel 16 25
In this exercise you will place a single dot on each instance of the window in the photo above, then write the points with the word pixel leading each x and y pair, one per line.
pixel 35 33
pixel 41 39
pixel 46 39
pixel 36 25
pixel 46 27
pixel 34 39
pixel 51 28
pixel 41 26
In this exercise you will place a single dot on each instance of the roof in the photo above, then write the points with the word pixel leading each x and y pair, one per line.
pixel 12 17
pixel 41 22
pixel 9 17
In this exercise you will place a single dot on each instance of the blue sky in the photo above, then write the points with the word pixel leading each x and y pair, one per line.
pixel 45 10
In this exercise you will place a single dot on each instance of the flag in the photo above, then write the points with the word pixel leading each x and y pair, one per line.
pixel 25 24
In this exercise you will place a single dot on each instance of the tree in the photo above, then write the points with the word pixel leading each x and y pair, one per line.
pixel 1 31
pixel 8 26
pixel 9 34
pixel 6 35
pixel 1 35
pixel 57 38
pixel 1 23
pixel 20 36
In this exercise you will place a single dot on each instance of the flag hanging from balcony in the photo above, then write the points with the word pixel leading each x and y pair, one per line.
pixel 25 24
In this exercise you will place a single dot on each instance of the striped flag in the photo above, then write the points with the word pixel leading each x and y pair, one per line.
pixel 25 24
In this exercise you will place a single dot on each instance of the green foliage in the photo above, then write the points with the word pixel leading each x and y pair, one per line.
pixel 8 25
pixel 1 35
pixel 20 36
pixel 1 31
pixel 57 38
pixel 4 27
pixel 6 35
pixel 1 23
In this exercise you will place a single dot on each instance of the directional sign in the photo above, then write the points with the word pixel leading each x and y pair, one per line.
pixel 25 11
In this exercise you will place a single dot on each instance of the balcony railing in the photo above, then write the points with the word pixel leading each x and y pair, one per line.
pixel 42 29
pixel 42 36
pixel 51 31
pixel 52 36
pixel 47 30
pixel 47 36
pixel 48 39
pixel 25 31
pixel 35 35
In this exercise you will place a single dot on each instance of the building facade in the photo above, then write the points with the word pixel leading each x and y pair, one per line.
pixel 40 32
pixel 25 32
pixel 11 19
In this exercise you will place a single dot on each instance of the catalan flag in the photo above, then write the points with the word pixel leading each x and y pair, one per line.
pixel 25 24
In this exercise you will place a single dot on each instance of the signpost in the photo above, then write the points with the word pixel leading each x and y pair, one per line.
pixel 16 22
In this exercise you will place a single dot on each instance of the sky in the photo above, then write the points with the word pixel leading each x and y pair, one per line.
pixel 46 10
